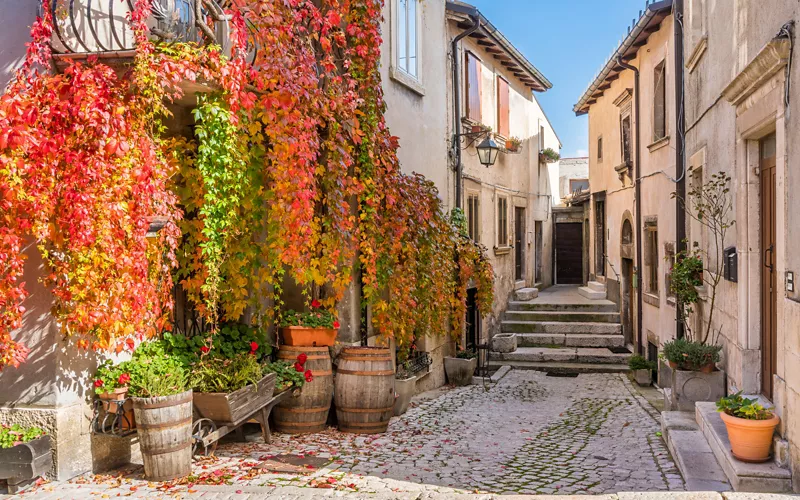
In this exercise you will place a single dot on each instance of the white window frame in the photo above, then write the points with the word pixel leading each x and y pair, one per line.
pixel 404 38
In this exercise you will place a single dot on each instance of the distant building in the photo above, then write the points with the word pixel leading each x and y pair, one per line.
pixel 573 179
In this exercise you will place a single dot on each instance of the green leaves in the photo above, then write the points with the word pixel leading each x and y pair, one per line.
pixel 738 406
pixel 225 375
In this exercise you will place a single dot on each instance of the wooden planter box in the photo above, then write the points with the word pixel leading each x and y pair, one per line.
pixel 301 336
pixel 25 462
pixel 233 407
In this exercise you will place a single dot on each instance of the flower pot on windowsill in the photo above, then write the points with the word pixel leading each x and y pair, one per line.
pixel 512 146
pixel 751 440
pixel 477 129
pixel 308 337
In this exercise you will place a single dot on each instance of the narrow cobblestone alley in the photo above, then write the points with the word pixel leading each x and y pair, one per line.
pixel 530 433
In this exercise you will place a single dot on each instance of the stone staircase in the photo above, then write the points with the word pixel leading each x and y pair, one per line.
pixel 594 290
pixel 561 331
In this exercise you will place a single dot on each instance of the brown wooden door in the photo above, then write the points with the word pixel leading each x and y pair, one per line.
pixel 519 243
pixel 769 291
pixel 569 253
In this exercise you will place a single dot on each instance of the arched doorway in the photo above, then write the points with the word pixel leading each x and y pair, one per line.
pixel 626 286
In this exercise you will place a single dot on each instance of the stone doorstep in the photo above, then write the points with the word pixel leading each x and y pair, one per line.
pixel 525 294
pixel 498 375
pixel 592 294
pixel 569 340
pixel 691 452
pixel 540 305
pixel 564 316
pixel 757 478
pixel 597 286
pixel 553 327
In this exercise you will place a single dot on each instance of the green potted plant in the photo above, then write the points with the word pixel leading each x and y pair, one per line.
pixel 315 328
pixel 549 155
pixel 750 427
pixel 461 368
pixel 287 375
pixel 642 369
pixel 24 455
pixel 229 390
pixel 111 385
pixel 162 406
pixel 513 144
pixel 231 339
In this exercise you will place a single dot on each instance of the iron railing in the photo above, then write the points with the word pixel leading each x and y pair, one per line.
pixel 103 26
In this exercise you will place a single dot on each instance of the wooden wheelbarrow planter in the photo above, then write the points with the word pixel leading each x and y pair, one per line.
pixel 223 413
pixel 20 465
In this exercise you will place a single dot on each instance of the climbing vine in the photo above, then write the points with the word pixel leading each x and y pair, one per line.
pixel 290 174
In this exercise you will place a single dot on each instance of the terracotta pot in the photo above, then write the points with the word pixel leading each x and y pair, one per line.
pixel 109 400
pixel 708 368
pixel 672 364
pixel 308 337
pixel 477 129
pixel 751 440
pixel 511 146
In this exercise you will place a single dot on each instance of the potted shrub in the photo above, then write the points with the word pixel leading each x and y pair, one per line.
pixel 405 386
pixel 162 406
pixel 513 144
pixel 229 390
pixel 315 328
pixel 642 369
pixel 111 387
pixel 461 368
pixel 231 339
pixel 24 455
pixel 549 155
pixel 750 427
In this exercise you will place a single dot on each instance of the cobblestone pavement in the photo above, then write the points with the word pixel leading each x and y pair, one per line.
pixel 528 434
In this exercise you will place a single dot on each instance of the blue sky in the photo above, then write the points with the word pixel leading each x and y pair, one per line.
pixel 568 41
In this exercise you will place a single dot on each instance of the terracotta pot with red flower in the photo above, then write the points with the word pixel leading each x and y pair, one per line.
pixel 315 328
pixel 111 386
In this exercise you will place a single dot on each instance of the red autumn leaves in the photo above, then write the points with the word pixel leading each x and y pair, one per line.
pixel 299 365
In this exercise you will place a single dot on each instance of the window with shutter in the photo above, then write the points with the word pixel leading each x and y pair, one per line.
pixel 660 103
pixel 503 127
pixel 502 221
pixel 473 92
pixel 473 217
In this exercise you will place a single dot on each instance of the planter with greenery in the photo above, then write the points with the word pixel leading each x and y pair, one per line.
pixel 461 368
pixel 405 386
pixel 750 427
pixel 287 375
pixel 24 455
pixel 229 390
pixel 549 155
pixel 315 328
pixel 513 144
pixel 642 369
pixel 111 386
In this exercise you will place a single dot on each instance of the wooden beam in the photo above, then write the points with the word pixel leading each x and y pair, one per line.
pixel 605 86
pixel 496 52
pixel 484 43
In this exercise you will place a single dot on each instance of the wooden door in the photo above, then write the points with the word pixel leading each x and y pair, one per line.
pixel 769 291
pixel 569 253
pixel 519 243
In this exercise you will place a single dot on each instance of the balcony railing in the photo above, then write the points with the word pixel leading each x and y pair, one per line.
pixel 103 26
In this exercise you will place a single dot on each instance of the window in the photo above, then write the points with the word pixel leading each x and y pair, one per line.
pixel 669 250
pixel 473 87
pixel 578 185
pixel 625 135
pixel 502 221
pixel 659 103
pixel 600 148
pixel 651 257
pixel 407 37
pixel 473 217
pixel 503 127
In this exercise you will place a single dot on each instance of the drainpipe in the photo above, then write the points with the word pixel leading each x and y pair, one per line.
pixel 680 149
pixel 476 24
pixel 638 203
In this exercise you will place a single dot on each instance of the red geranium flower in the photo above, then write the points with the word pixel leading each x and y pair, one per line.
pixel 98 383
pixel 336 325
pixel 299 367
pixel 205 349
pixel 309 376
pixel 302 358
pixel 253 347
pixel 315 304
pixel 124 379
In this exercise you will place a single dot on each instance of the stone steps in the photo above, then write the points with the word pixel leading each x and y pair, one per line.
pixel 563 317
pixel 569 340
pixel 593 355
pixel 562 367
pixel 544 306
pixel 553 327
pixel 593 291
pixel 691 452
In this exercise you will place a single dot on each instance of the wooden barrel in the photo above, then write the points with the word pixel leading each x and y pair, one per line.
pixel 307 412
pixel 364 390
pixel 165 435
